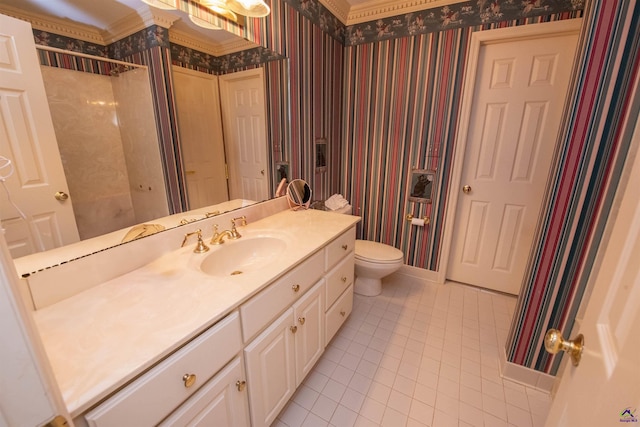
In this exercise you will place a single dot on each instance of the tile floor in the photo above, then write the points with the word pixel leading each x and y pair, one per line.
pixel 417 355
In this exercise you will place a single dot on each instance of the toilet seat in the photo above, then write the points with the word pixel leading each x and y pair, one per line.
pixel 377 252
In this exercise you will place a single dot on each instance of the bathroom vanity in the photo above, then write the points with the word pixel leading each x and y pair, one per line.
pixel 178 341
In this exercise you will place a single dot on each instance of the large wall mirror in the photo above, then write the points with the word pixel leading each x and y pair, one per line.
pixel 136 157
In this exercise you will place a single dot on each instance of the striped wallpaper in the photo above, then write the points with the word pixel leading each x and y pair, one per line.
pixel 401 102
pixel 584 182
pixel 388 106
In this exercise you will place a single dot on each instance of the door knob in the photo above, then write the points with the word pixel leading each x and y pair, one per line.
pixel 262 171
pixel 61 195
pixel 466 189
pixel 554 342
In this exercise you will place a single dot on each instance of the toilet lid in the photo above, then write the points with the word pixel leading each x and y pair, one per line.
pixel 378 252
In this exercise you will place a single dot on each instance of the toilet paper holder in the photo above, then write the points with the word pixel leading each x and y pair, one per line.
pixel 426 219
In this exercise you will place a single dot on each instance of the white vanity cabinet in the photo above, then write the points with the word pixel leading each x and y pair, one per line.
pixel 340 259
pixel 243 369
pixel 279 358
pixel 162 389
pixel 221 402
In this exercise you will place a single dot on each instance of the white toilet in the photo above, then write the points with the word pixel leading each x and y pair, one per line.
pixel 374 261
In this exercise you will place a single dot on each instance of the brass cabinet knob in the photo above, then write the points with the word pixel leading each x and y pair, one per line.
pixel 61 195
pixel 301 320
pixel 345 247
pixel 344 279
pixel 466 189
pixel 295 288
pixel 241 385
pixel 294 329
pixel 342 313
pixel 554 342
pixel 189 380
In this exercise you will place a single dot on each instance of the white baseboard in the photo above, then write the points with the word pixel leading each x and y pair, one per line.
pixel 419 273
pixel 525 376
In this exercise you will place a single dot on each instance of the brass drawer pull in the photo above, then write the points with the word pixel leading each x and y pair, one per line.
pixel 301 320
pixel 241 385
pixel 189 380
pixel 295 288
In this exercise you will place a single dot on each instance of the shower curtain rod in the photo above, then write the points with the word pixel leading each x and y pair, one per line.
pixel 85 55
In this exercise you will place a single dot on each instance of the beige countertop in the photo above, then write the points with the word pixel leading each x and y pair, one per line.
pixel 101 338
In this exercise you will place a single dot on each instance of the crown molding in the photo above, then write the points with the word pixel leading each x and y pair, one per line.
pixel 143 18
pixel 378 9
pixel 339 9
pixel 215 49
pixel 58 26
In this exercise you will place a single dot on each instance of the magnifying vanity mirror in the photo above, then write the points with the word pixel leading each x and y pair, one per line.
pixel 299 194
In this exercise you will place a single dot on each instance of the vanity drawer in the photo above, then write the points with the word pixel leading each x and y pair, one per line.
pixel 260 310
pixel 154 395
pixel 339 279
pixel 340 247
pixel 338 313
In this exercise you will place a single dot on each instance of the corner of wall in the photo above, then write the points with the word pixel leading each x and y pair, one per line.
pixel 526 376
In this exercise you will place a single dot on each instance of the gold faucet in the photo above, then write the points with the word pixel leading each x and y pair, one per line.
pixel 200 246
pixel 218 238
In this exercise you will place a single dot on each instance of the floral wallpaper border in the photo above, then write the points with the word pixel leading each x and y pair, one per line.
pixel 459 15
pixel 200 61
pixel 152 36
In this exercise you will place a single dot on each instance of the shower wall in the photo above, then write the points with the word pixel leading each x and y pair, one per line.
pixel 87 116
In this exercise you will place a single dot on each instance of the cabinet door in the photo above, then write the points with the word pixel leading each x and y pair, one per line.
pixel 308 313
pixel 221 402
pixel 270 370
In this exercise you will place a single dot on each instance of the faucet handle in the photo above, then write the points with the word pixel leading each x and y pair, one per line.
pixel 200 246
pixel 234 231
pixel 215 234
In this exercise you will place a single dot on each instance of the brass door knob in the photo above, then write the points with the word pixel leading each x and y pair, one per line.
pixel 554 342
pixel 466 189
pixel 189 380
pixel 61 195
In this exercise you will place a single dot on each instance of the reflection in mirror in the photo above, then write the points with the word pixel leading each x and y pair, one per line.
pixel 299 194
pixel 136 187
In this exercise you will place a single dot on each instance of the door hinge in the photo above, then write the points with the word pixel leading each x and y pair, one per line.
pixel 226 171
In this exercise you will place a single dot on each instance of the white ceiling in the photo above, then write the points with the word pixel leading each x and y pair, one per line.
pixel 106 17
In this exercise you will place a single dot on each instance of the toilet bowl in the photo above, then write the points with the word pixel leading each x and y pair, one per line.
pixel 373 262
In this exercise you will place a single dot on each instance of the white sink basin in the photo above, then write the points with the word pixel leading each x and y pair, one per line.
pixel 242 256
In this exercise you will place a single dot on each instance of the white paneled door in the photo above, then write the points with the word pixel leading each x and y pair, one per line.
pixel 244 117
pixel 35 179
pixel 518 97
pixel 604 389
pixel 201 138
